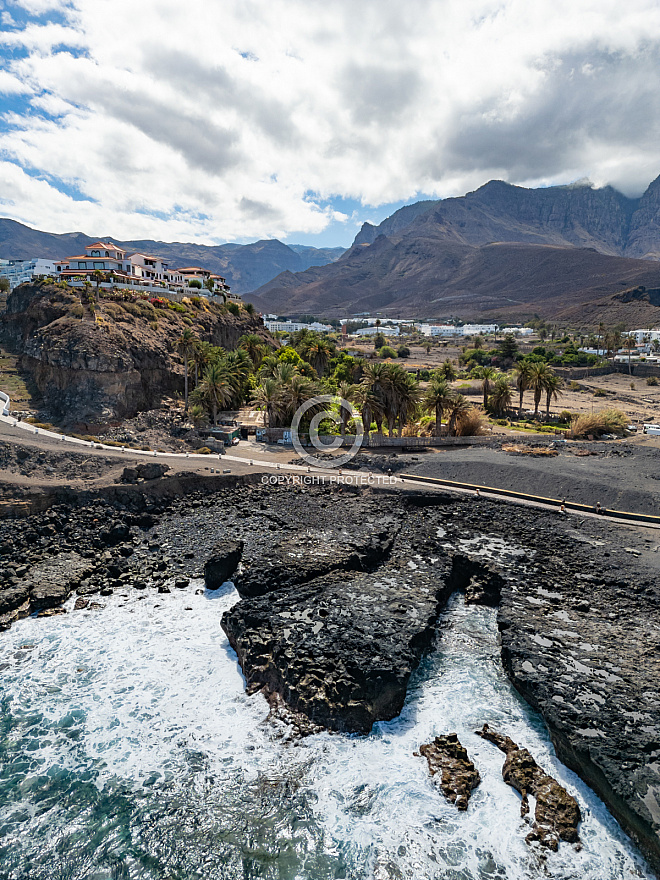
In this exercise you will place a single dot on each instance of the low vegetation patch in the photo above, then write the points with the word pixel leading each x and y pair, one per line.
pixel 607 421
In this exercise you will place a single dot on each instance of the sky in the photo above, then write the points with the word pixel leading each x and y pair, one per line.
pixel 237 120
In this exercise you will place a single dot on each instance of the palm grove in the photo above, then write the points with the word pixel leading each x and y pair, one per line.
pixel 389 398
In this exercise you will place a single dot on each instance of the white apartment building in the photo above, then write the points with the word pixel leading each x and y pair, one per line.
pixel 386 330
pixel 438 329
pixel 294 326
pixel 19 271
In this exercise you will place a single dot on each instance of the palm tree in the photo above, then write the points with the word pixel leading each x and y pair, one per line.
pixel 523 372
pixel 487 376
pixel 202 355
pixel 268 397
pixel 601 331
pixel 347 392
pixel 240 367
pixel 407 396
pixel 253 345
pixel 538 377
pixel 552 385
pixel 284 373
pixel 500 399
pixel 218 386
pixel 458 407
pixel 317 351
pixel 185 343
pixel 447 370
pixel 376 379
pixel 629 343
pixel 438 398
pixel 269 365
pixel 295 392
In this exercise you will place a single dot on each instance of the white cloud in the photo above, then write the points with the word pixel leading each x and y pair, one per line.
pixel 221 119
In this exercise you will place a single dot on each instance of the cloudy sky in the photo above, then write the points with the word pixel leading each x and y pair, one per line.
pixel 233 120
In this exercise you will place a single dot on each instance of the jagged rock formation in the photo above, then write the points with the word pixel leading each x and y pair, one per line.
pixel 95 368
pixel 500 251
pixel 557 814
pixel 222 563
pixel 458 775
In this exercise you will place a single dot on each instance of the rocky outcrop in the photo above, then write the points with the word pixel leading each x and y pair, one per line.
pixel 222 563
pixel 151 471
pixel 557 814
pixel 47 584
pixel 311 553
pixel 458 775
pixel 581 647
pixel 578 614
pixel 96 366
pixel 340 649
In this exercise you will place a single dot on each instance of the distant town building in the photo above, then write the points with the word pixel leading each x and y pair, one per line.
pixel 439 330
pixel 19 271
pixel 294 326
pixel 516 331
pixel 386 330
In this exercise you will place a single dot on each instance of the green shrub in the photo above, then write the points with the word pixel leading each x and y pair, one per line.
pixel 403 351
pixel 197 285
pixel 651 380
pixel 386 352
pixel 77 311
pixel 575 386
pixel 565 416
pixel 234 308
pixel 204 450
pixel 600 392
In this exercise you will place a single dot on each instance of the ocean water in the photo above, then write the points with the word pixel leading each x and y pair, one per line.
pixel 128 749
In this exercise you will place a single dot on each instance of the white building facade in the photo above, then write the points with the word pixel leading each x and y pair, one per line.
pixel 20 271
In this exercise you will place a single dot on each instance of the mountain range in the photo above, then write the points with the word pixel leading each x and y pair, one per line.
pixel 245 267
pixel 502 251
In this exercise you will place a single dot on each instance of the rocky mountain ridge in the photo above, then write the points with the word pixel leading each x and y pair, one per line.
pixel 501 251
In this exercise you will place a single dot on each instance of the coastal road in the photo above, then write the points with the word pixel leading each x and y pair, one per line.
pixel 249 457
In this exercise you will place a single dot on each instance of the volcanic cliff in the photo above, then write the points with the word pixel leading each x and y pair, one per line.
pixel 113 359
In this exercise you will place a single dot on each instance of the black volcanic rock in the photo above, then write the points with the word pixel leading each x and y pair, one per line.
pixel 341 649
pixel 222 563
pixel 314 552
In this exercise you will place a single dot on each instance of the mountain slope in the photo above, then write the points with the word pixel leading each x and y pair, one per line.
pixel 417 277
pixel 245 267
pixel 500 250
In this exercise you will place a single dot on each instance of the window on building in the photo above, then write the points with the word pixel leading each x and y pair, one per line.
pixel 82 265
pixel 96 253
pixel 99 265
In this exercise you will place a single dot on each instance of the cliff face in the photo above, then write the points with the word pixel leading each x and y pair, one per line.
pixel 93 368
